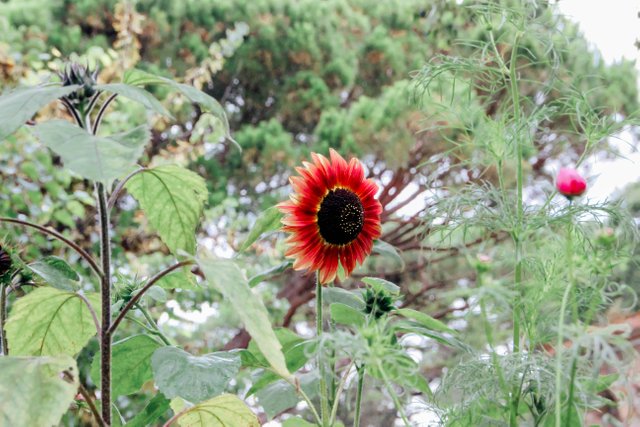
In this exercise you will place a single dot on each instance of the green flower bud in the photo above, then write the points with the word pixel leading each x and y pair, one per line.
pixel 76 74
pixel 377 303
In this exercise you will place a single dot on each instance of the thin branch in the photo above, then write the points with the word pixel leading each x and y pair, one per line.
pixel 73 112
pixel 92 406
pixel 142 291
pixel 103 110
pixel 176 416
pixel 93 313
pixel 61 238
pixel 93 101
pixel 116 192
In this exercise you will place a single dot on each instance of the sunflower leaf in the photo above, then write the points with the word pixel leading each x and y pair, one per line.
pixel 173 199
pixel 36 391
pixel 268 220
pixel 195 378
pixel 207 103
pixel 97 158
pixel 58 323
pixel 152 412
pixel 227 278
pixel 56 272
pixel 138 95
pixel 225 410
pixel 130 364
pixel 21 104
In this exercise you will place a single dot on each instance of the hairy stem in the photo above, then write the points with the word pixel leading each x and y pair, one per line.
pixel 361 372
pixel 324 401
pixel 105 289
pixel 3 318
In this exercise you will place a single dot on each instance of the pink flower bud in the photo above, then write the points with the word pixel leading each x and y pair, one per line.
pixel 569 183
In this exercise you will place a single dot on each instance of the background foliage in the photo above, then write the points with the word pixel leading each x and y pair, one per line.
pixel 371 79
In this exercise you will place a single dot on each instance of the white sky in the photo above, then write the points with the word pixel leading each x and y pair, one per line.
pixel 613 27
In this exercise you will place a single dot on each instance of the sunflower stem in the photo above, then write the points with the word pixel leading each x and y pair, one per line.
pixel 3 316
pixel 324 401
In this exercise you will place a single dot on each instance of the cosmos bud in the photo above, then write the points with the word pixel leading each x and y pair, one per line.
pixel 569 183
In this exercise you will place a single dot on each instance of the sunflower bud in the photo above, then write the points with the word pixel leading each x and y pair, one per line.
pixel 377 302
pixel 76 74
pixel 5 262
pixel 570 183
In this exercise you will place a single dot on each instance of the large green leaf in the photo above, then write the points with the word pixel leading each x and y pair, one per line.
pixel 136 94
pixel 151 413
pixel 173 199
pixel 225 410
pixel 195 378
pixel 226 277
pixel 346 315
pixel 50 322
pixel 425 320
pixel 93 157
pixel 181 279
pixel 296 352
pixel 36 391
pixel 56 272
pixel 269 220
pixel 20 105
pixel 207 103
pixel 280 395
pixel 130 364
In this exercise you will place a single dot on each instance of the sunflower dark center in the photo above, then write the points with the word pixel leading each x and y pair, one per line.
pixel 340 217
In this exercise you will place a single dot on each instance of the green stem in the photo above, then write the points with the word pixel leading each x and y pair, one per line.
pixel 574 368
pixel 394 396
pixel 336 397
pixel 105 288
pixel 569 292
pixel 361 372
pixel 324 401
pixel 559 348
pixel 489 334
pixel 517 234
pixel 153 324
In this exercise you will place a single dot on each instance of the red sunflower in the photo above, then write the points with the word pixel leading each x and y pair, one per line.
pixel 332 216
